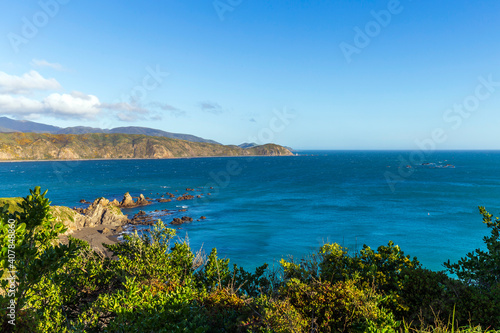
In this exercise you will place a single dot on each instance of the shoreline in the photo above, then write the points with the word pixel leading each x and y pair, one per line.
pixel 139 159
pixel 95 237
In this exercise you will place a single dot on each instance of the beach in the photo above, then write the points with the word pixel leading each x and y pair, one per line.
pixel 95 237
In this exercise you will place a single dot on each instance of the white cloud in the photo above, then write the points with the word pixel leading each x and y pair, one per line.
pixel 19 105
pixel 75 105
pixel 26 84
pixel 45 63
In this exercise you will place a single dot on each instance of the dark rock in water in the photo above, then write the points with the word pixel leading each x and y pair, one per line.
pixel 202 218
pixel 163 200
pixel 84 201
pixel 142 218
pixel 185 197
pixel 184 219
pixel 176 221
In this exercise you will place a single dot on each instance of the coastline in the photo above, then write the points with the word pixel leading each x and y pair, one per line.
pixel 140 159
pixel 95 237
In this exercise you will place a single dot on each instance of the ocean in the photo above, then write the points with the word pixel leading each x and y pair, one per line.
pixel 262 209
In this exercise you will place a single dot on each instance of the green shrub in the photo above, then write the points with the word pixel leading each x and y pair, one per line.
pixel 36 260
pixel 481 268
pixel 381 269
pixel 216 274
pixel 275 315
pixel 223 310
pixel 341 306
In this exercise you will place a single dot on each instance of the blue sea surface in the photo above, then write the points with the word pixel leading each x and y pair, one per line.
pixel 265 208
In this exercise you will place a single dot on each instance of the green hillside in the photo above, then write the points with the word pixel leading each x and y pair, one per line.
pixel 33 146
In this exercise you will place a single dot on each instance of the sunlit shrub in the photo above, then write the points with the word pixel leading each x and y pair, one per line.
pixel 340 306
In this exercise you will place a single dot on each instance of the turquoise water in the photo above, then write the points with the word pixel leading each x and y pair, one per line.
pixel 264 208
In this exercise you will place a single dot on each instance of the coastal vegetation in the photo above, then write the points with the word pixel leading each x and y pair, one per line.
pixel 34 146
pixel 156 284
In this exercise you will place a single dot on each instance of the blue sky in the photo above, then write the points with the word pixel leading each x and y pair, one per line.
pixel 321 74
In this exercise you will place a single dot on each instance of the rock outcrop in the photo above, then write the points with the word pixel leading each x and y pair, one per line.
pixel 182 220
pixel 128 201
pixel 100 212
pixel 185 197
pixel 141 201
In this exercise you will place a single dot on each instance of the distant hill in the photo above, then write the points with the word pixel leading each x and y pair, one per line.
pixel 10 125
pixel 80 130
pixel 155 132
pixel 247 145
pixel 45 146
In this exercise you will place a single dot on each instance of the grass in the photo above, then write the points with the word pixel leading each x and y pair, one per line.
pixel 441 327
pixel 11 202
pixel 62 213
pixel 448 329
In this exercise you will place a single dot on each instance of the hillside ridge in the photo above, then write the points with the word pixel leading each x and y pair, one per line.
pixel 8 125
pixel 44 146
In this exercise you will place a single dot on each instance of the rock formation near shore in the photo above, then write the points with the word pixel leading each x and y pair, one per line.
pixel 33 146
pixel 128 201
pixel 100 212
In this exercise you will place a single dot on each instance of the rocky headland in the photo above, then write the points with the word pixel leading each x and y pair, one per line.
pixel 35 146
pixel 102 220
